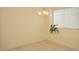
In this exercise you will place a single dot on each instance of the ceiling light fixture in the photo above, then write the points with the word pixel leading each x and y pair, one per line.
pixel 43 12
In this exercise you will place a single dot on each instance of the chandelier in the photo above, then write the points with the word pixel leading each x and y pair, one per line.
pixel 43 12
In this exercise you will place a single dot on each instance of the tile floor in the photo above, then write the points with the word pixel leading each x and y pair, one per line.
pixel 44 45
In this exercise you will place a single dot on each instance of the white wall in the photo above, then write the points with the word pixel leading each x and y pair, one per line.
pixel 20 26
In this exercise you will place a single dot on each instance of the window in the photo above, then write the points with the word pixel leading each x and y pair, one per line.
pixel 67 18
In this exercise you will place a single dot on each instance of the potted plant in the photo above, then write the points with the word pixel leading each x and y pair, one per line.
pixel 53 28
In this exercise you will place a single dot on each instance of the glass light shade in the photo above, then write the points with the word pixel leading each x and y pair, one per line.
pixel 47 13
pixel 44 12
pixel 39 13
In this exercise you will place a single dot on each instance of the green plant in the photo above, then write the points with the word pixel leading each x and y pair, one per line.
pixel 53 28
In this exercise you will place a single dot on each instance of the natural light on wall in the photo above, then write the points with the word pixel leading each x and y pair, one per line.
pixel 43 12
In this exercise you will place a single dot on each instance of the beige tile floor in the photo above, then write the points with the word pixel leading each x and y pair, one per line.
pixel 44 45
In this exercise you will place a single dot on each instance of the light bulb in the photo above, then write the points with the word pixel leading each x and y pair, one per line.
pixel 47 13
pixel 44 12
pixel 39 13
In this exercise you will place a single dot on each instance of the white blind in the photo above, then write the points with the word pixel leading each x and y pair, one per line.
pixel 67 18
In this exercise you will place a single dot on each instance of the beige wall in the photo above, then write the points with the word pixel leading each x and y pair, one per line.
pixel 68 37
pixel 0 29
pixel 20 26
